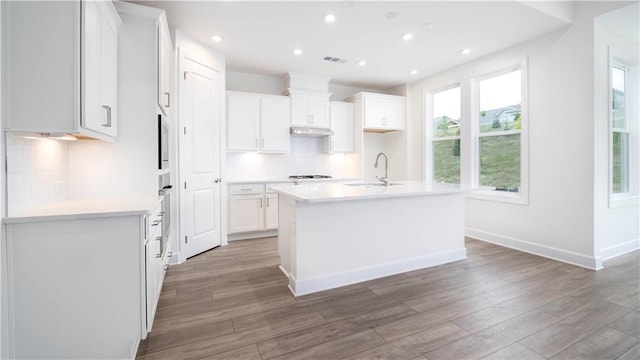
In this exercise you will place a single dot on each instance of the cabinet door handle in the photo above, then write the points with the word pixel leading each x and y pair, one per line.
pixel 267 202
pixel 159 255
pixel 260 202
pixel 156 223
pixel 262 144
pixel 108 115
pixel 256 143
pixel 168 99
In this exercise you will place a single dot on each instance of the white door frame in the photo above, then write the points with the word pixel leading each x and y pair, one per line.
pixel 183 54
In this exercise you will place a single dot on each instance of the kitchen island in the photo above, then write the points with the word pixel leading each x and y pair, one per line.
pixel 331 235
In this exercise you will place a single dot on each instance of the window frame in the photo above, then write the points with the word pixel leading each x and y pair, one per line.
pixel 431 138
pixel 630 196
pixel 485 193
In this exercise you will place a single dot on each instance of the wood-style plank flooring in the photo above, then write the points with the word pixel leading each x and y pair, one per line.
pixel 233 303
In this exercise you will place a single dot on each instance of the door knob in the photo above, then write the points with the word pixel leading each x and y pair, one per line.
pixel 216 180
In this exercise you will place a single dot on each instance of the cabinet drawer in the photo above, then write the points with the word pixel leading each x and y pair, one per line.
pixel 243 189
pixel 153 223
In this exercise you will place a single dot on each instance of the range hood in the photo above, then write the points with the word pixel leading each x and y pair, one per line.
pixel 309 131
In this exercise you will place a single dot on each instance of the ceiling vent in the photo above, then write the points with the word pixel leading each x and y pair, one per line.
pixel 335 59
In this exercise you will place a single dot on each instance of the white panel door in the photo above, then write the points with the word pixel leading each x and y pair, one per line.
pixel 199 158
pixel 275 124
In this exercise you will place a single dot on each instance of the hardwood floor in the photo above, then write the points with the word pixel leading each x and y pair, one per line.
pixel 233 303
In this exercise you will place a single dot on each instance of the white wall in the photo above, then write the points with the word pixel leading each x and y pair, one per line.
pixel 36 173
pixel 558 219
pixel 616 225
pixel 305 157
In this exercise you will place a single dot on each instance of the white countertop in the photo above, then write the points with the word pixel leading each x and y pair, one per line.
pixel 286 180
pixel 83 209
pixel 327 192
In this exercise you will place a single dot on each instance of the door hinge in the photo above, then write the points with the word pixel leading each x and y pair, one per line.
pixel 185 240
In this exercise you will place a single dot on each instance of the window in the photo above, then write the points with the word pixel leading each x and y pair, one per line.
pixel 446 136
pixel 499 131
pixel 620 131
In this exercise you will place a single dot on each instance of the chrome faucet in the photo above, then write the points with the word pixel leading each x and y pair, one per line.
pixel 385 179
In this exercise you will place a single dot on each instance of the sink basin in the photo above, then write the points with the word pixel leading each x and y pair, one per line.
pixel 372 184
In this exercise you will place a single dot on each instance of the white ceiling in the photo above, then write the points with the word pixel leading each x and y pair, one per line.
pixel 259 37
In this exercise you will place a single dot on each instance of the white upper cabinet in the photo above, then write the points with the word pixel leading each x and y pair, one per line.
pixel 381 113
pixel 309 109
pixel 165 56
pixel 342 115
pixel 257 122
pixel 61 67
pixel 274 124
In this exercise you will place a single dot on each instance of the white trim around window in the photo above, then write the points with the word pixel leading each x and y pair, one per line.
pixel 628 131
pixel 522 196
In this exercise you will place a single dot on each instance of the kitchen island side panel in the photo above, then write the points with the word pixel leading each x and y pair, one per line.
pixel 345 242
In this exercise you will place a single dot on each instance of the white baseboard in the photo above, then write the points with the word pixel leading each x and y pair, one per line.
pixel 566 256
pixel 252 235
pixel 331 281
pixel 620 249
pixel 175 258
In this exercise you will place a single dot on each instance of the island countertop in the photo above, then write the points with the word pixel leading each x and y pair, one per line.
pixel 329 192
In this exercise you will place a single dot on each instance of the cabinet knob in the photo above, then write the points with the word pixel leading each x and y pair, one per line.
pixel 167 105
pixel 216 180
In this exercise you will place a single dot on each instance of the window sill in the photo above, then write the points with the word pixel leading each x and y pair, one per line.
pixel 623 200
pixel 499 196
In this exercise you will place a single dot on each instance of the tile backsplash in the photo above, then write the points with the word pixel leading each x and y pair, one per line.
pixel 37 173
pixel 305 157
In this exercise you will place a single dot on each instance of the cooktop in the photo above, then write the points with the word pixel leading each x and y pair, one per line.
pixel 309 177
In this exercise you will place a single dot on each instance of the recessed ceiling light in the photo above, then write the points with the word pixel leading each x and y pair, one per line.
pixel 297 51
pixel 407 36
pixel 427 26
pixel 216 38
pixel 465 51
pixel 414 72
pixel 362 63
pixel 391 15
pixel 329 18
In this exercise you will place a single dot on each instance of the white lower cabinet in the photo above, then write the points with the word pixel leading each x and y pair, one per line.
pixel 154 266
pixel 271 211
pixel 252 209
pixel 80 286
